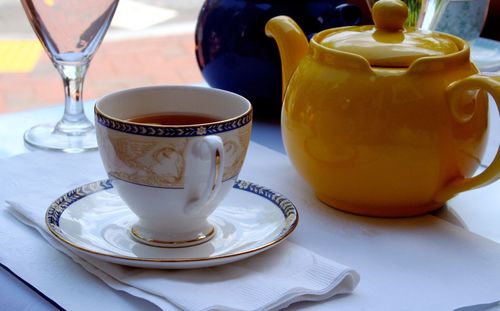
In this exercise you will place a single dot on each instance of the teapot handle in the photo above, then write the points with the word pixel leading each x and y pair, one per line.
pixel 492 172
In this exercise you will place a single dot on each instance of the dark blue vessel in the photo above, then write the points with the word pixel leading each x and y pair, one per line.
pixel 234 54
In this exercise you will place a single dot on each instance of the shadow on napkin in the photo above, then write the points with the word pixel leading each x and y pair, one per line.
pixel 271 280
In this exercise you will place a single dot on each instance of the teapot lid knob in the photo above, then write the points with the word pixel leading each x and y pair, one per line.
pixel 390 15
pixel 389 44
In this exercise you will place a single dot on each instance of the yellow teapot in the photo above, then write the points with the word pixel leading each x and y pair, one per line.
pixel 382 120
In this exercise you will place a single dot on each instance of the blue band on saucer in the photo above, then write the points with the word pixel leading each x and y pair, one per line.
pixel 57 208
pixel 285 205
pixel 64 230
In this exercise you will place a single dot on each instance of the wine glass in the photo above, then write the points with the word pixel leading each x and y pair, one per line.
pixel 421 13
pixel 70 32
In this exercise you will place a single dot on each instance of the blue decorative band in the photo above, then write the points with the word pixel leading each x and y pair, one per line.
pixel 178 131
pixel 57 208
pixel 285 205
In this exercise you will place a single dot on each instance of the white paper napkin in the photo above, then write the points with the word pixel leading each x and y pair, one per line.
pixel 419 263
pixel 272 280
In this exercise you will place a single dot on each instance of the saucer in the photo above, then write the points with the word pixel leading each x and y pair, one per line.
pixel 93 220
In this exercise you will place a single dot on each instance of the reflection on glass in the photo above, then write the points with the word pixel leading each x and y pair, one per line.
pixel 70 31
pixel 421 13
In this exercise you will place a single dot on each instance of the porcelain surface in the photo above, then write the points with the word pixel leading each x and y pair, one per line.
pixel 173 176
pixel 389 141
pixel 93 221
pixel 154 155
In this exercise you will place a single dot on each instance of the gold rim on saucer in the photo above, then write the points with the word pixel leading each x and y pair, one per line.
pixel 268 201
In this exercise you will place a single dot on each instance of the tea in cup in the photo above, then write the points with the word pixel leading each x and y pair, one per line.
pixel 173 153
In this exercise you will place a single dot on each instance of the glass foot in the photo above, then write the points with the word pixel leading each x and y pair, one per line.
pixel 44 136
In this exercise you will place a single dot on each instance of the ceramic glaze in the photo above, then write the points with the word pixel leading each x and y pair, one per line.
pixel 384 141
pixel 173 176
pixel 234 54
pixel 94 221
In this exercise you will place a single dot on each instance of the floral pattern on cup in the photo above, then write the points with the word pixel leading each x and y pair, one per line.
pixel 147 162
pixel 142 160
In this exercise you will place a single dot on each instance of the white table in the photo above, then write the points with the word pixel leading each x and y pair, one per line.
pixel 477 211
pixel 17 295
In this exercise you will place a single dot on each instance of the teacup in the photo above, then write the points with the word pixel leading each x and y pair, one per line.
pixel 173 153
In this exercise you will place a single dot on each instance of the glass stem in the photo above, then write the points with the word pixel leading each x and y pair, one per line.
pixel 74 120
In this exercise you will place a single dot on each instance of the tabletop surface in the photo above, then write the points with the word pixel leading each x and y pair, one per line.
pixel 18 294
pixel 475 211
pixel 472 211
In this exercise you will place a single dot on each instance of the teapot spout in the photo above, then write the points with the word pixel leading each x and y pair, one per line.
pixel 292 45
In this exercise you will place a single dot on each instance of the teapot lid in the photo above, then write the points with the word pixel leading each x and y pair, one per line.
pixel 388 43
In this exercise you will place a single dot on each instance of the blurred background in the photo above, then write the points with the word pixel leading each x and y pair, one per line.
pixel 150 42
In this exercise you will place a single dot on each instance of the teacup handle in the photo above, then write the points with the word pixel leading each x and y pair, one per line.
pixel 492 172
pixel 198 151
